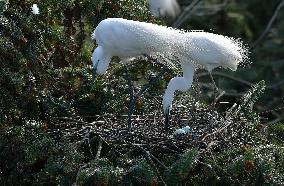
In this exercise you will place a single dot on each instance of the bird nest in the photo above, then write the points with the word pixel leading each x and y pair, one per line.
pixel 210 131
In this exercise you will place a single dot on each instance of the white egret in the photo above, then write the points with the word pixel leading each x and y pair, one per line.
pixel 164 8
pixel 127 38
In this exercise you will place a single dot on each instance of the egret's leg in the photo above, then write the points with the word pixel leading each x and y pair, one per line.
pixel 215 87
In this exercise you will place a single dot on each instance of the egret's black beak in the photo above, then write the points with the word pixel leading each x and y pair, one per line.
pixel 167 119
pixel 94 73
pixel 167 111
pixel 95 70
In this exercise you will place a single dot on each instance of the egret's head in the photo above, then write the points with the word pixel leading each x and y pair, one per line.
pixel 101 59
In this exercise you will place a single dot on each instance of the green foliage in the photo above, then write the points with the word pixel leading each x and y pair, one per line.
pixel 141 173
pixel 100 172
pixel 35 158
pixel 252 165
pixel 250 97
pixel 60 165
pixel 182 169
pixel 276 132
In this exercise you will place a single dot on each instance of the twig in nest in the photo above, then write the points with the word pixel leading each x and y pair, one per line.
pixel 71 119
pixel 132 99
pixel 208 166
pixel 227 119
pixel 87 138
pixel 167 119
pixel 216 99
pixel 158 161
pixel 100 145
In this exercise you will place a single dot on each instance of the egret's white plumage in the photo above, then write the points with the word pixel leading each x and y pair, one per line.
pixel 127 38
pixel 35 9
pixel 213 50
pixel 164 8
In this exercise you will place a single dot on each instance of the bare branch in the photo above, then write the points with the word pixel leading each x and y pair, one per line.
pixel 227 76
pixel 269 25
pixel 271 86
pixel 185 15
pixel 276 85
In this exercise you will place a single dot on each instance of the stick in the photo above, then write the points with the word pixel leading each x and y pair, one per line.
pixel 185 15
pixel 269 25
pixel 227 76
pixel 99 149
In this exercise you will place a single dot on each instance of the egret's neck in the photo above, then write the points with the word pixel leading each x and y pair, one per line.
pixel 188 69
pixel 178 83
